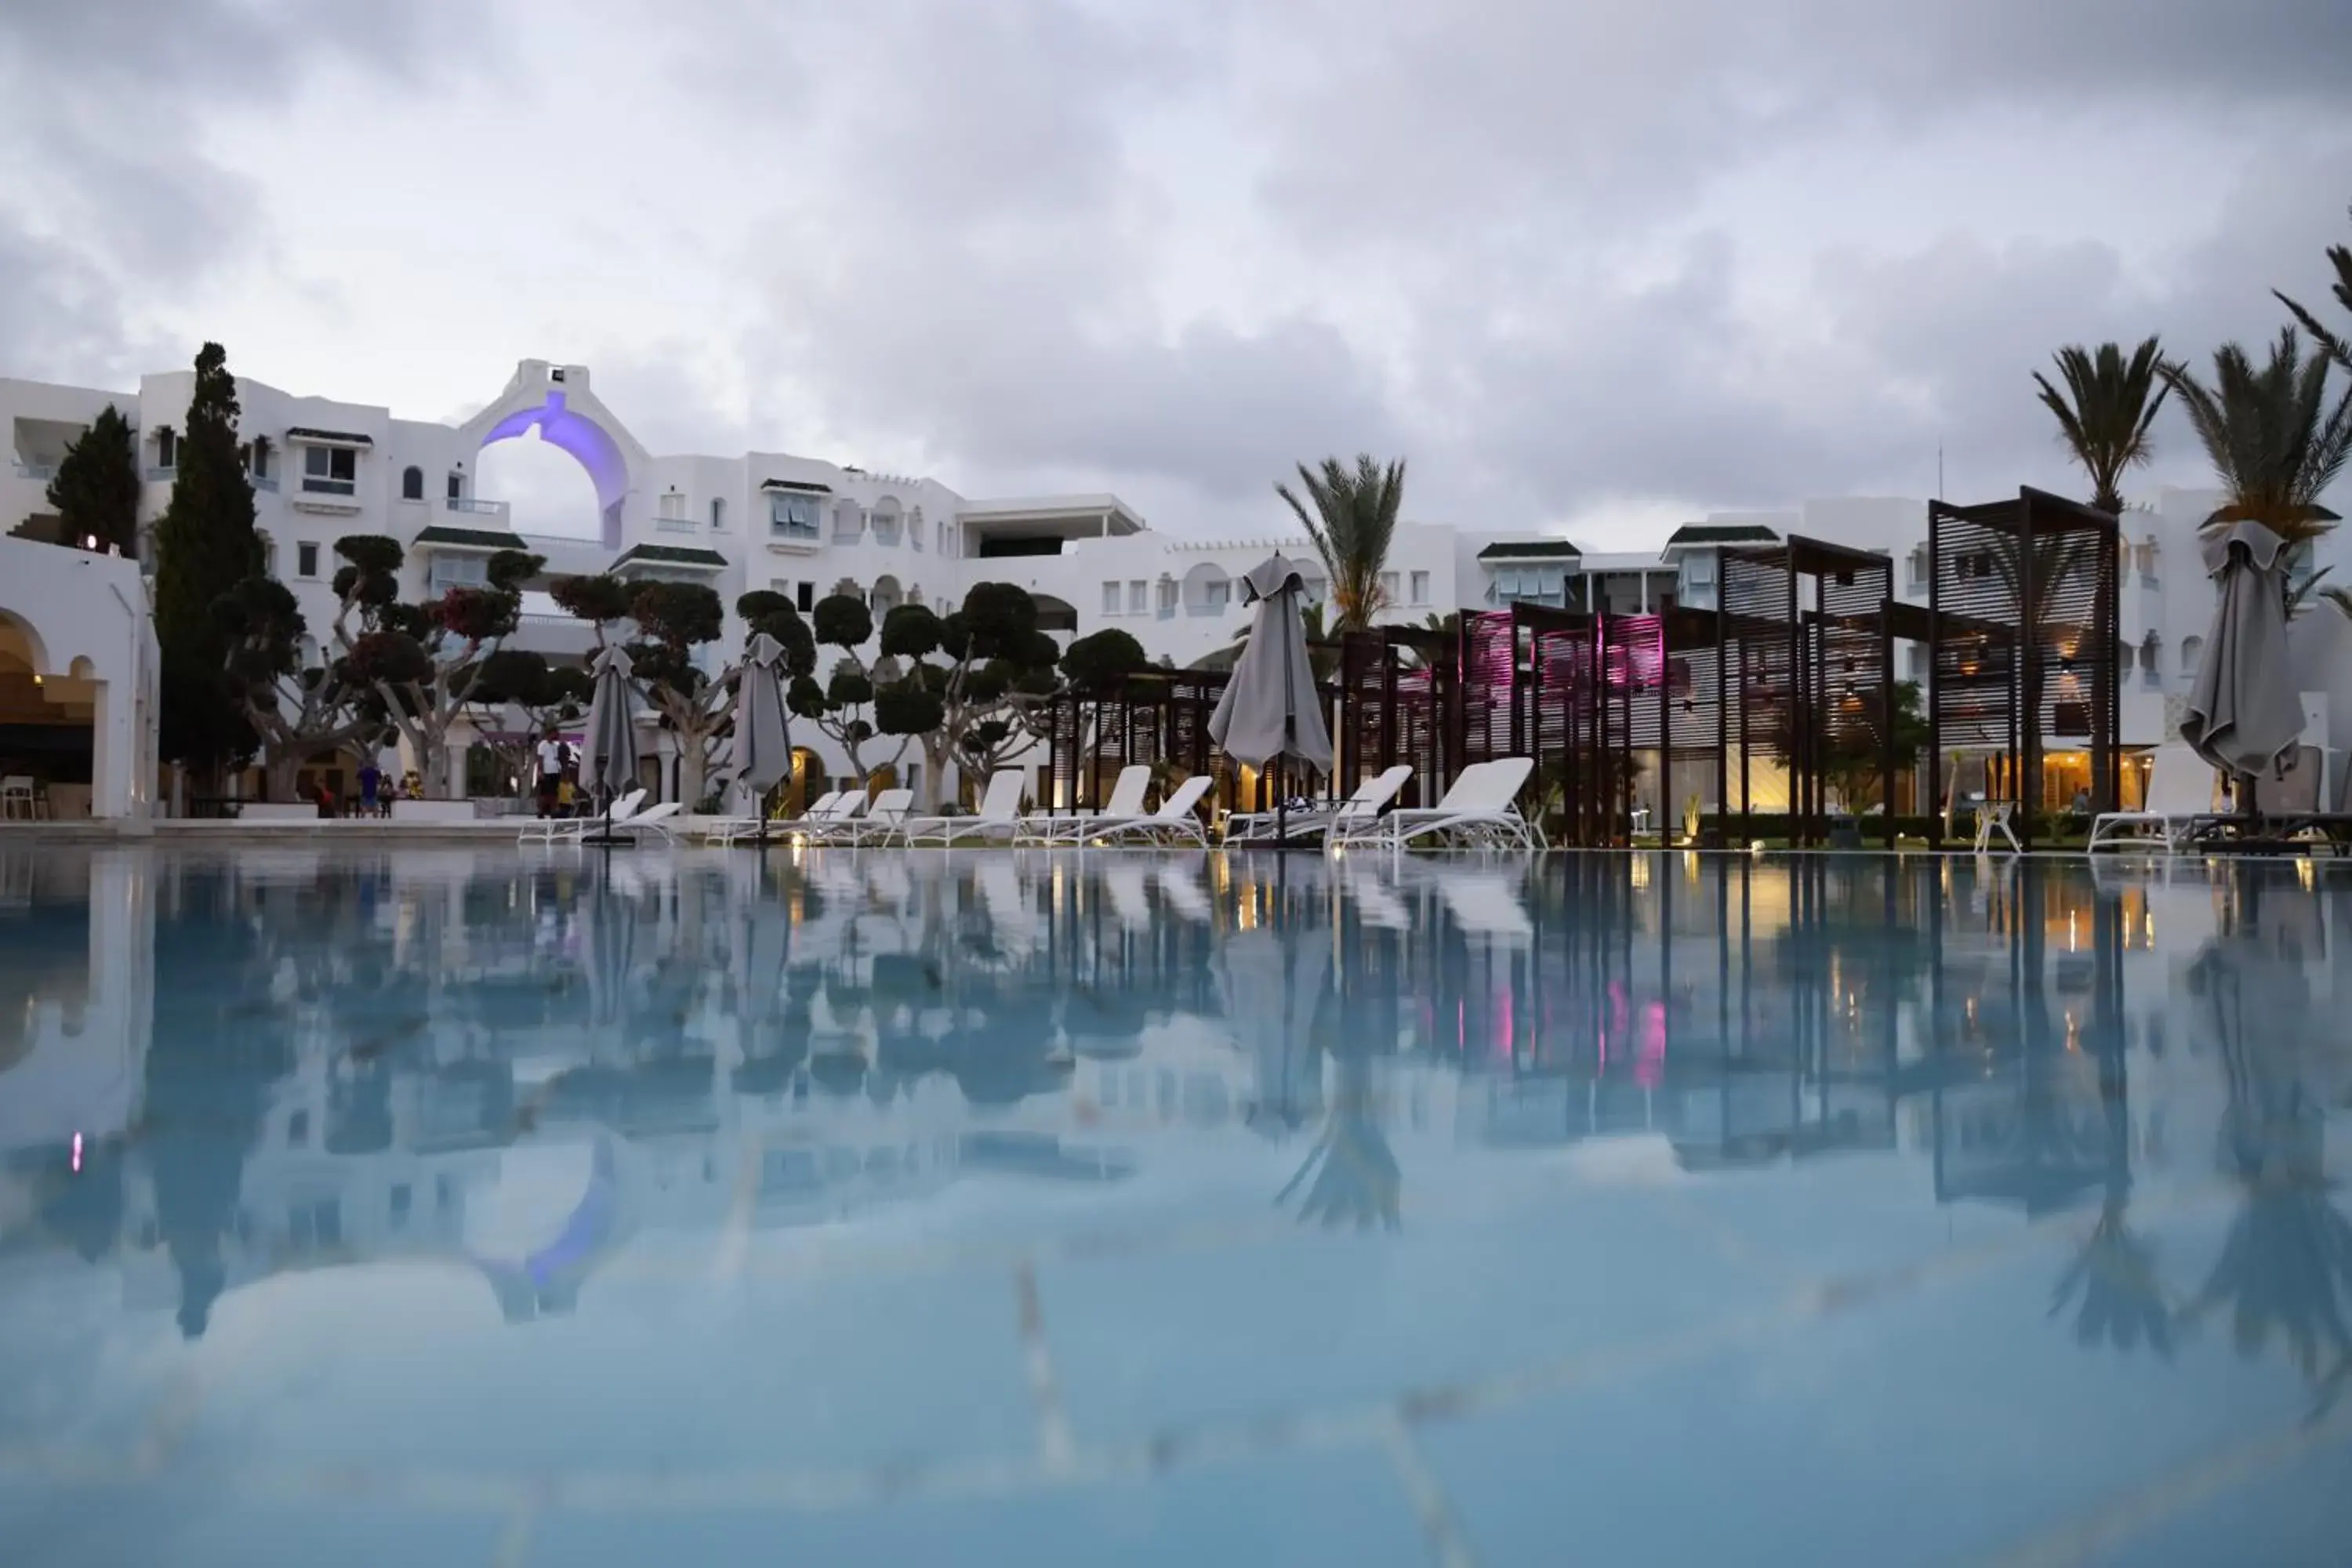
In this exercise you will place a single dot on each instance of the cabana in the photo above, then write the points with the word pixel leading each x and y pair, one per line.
pixel 2022 593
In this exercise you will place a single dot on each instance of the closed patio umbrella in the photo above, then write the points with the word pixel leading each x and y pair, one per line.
pixel 2244 716
pixel 611 763
pixel 763 750
pixel 1271 708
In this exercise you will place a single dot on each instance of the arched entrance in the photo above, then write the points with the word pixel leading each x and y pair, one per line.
pixel 555 403
pixel 49 738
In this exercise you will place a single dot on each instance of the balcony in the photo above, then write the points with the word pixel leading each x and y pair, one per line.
pixel 265 483
pixel 44 472
pixel 675 526
pixel 476 506
pixel 160 473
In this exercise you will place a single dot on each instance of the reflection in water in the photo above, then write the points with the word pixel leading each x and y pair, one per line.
pixel 275 1062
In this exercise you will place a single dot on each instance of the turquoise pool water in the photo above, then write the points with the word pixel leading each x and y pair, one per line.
pixel 453 1207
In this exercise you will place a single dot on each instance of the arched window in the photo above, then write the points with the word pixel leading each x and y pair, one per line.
pixel 412 483
pixel 2191 650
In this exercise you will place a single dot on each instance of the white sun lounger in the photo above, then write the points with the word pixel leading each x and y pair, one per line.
pixel 1125 803
pixel 654 819
pixel 998 816
pixel 2179 791
pixel 728 829
pixel 1372 797
pixel 885 816
pixel 838 825
pixel 556 829
pixel 1177 820
pixel 1477 810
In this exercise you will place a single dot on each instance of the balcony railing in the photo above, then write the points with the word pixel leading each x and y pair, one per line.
pixel 476 506
pixel 42 472
pixel 798 533
pixel 160 473
pixel 675 526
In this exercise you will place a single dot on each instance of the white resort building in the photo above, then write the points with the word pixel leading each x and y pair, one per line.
pixel 77 653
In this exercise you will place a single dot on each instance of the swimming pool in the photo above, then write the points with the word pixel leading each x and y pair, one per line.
pixel 457 1205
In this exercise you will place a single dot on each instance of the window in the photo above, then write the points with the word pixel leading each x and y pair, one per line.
pixel 330 470
pixel 1138 596
pixel 167 447
pixel 1919 567
pixel 804 597
pixel 305 560
pixel 401 1198
pixel 260 454
pixel 449 571
pixel 268 556
pixel 1110 599
pixel 1220 594
pixel 1421 587
pixel 1917 658
pixel 2191 648
pixel 718 512
pixel 297 1129
pixel 412 483
pixel 943 536
pixel 793 516
pixel 1700 570
pixel 2123 657
pixel 1389 586
pixel 1167 595
pixel 848 523
pixel 456 485
pixel 672 507
pixel 914 530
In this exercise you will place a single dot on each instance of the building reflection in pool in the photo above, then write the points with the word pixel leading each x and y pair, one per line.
pixel 280 1062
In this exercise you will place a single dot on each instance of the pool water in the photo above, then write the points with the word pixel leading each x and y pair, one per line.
pixel 455 1206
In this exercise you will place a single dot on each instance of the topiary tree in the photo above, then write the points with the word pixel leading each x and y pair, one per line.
pixel 966 682
pixel 296 711
pixel 667 625
pixel 544 694
pixel 843 706
pixel 423 659
pixel 96 489
pixel 205 545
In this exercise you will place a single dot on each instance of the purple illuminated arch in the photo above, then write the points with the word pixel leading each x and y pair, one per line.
pixel 589 445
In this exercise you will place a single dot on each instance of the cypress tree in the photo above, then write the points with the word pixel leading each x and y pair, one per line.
pixel 96 489
pixel 205 545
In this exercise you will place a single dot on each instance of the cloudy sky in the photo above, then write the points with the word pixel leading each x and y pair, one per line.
pixel 1597 267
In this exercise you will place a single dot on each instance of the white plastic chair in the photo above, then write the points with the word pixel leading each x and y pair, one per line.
pixel 654 819
pixel 1178 819
pixel 558 829
pixel 1125 803
pixel 2179 791
pixel 19 798
pixel 1992 816
pixel 1372 797
pixel 999 816
pixel 1477 810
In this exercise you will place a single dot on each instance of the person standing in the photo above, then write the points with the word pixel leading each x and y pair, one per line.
pixel 371 785
pixel 551 771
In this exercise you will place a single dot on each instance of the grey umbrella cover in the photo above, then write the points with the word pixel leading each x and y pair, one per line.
pixel 763 753
pixel 1270 707
pixel 611 764
pixel 2244 716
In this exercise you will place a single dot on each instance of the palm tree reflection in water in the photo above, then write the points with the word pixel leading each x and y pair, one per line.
pixel 2288 1263
pixel 1355 1177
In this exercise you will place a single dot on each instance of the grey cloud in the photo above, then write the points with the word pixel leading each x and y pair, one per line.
pixel 1390 114
pixel 104 104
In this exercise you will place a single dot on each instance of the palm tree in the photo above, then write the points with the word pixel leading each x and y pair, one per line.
pixel 2336 347
pixel 2106 411
pixel 2276 442
pixel 1352 521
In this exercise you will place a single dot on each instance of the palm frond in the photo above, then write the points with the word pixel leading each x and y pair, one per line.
pixel 2335 346
pixel 1352 517
pixel 2274 441
pixel 2339 597
pixel 2105 414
